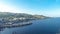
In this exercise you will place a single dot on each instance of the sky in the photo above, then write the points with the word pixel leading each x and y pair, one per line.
pixel 40 7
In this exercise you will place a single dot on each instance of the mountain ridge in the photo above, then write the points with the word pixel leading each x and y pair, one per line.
pixel 18 15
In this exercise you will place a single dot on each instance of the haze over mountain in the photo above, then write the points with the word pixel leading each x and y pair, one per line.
pixel 41 7
pixel 19 15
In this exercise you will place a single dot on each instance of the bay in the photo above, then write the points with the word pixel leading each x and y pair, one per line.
pixel 43 26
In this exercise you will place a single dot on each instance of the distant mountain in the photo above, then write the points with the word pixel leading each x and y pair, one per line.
pixel 18 15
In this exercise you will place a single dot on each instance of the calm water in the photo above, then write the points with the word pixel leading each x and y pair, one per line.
pixel 46 26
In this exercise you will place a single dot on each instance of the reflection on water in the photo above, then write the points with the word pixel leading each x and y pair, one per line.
pixel 58 32
pixel 1 29
pixel 48 26
pixel 14 32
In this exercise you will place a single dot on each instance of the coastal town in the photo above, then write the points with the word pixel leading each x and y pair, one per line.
pixel 17 19
pixel 15 22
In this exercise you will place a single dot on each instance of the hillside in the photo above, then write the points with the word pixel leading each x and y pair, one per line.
pixel 18 15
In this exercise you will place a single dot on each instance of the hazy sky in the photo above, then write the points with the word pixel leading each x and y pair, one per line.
pixel 41 7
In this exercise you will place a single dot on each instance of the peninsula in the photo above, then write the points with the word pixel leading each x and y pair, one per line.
pixel 17 19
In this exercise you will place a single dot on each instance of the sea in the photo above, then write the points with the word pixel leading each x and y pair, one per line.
pixel 42 26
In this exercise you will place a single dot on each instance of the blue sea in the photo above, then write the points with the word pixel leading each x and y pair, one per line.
pixel 43 26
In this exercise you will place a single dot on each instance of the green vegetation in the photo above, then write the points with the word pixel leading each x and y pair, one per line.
pixel 17 19
pixel 19 15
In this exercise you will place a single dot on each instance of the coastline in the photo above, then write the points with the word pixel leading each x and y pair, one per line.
pixel 15 25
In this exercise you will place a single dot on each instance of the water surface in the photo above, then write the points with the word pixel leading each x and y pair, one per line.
pixel 46 26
